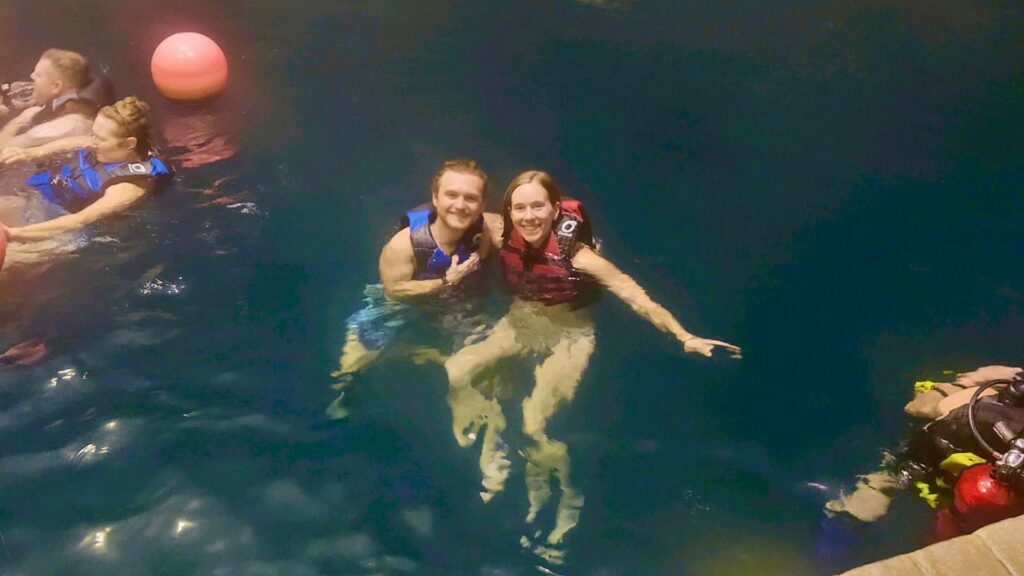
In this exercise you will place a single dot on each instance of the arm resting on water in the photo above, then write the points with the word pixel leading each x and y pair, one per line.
pixel 117 198
pixel 620 284
pixel 13 154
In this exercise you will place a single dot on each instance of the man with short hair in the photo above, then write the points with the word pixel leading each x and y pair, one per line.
pixel 438 249
pixel 432 263
pixel 59 112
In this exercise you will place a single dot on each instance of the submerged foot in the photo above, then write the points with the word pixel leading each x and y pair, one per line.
pixel 337 410
pixel 554 555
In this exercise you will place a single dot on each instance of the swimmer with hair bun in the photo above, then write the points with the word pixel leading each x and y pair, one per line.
pixel 111 170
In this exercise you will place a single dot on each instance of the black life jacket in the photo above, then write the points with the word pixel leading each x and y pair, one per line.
pixel 431 261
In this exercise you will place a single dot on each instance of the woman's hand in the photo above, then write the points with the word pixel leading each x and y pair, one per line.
pixel 704 346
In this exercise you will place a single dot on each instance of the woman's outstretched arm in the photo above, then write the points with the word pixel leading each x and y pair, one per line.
pixel 620 284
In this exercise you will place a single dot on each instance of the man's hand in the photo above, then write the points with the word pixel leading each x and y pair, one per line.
pixel 13 154
pixel 704 346
pixel 457 271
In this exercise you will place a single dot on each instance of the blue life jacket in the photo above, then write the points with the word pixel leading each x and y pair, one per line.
pixel 80 183
pixel 431 261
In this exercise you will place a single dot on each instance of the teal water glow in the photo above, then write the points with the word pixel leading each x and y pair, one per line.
pixel 833 186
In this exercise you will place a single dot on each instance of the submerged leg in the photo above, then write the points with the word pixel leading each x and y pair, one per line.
pixel 468 362
pixel 557 380
pixel 494 462
pixel 354 355
pixel 470 409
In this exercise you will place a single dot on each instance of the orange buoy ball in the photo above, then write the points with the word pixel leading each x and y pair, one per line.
pixel 189 66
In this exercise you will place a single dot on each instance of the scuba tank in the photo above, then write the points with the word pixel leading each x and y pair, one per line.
pixel 992 491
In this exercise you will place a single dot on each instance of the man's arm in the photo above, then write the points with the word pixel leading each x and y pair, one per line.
pixel 13 154
pixel 64 127
pixel 114 200
pixel 398 264
pixel 620 284
pixel 19 122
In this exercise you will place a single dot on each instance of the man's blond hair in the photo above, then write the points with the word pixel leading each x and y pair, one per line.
pixel 71 67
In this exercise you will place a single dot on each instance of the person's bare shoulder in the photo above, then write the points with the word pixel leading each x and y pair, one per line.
pixel 397 261
pixel 399 247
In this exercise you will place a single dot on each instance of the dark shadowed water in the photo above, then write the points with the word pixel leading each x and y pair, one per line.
pixel 835 186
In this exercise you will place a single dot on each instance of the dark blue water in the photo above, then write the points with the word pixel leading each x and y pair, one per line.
pixel 833 186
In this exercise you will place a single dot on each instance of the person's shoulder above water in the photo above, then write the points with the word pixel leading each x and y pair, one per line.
pixel 400 245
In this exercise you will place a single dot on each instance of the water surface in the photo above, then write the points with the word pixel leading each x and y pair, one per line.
pixel 833 186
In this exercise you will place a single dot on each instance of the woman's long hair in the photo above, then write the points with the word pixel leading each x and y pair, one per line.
pixel 538 176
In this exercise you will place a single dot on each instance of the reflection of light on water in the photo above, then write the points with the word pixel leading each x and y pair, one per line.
pixel 109 436
pixel 158 286
pixel 63 376
pixel 245 208
pixel 89 452
pixel 203 137
pixel 182 525
pixel 96 541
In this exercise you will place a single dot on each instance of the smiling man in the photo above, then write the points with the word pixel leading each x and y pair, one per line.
pixel 432 264
pixel 441 247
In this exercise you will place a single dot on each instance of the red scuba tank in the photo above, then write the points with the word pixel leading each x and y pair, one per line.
pixel 980 499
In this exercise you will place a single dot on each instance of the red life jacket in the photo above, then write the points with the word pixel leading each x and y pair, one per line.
pixel 546 274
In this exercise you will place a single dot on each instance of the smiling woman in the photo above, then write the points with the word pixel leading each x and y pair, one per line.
pixel 549 264
pixel 119 169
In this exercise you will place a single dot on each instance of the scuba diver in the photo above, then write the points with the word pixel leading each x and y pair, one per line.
pixel 67 97
pixel 550 267
pixel 119 167
pixel 967 462
pixel 429 269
